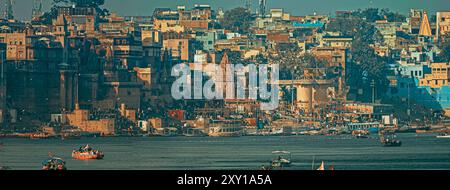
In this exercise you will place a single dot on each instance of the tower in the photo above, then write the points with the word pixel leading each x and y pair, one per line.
pixel 37 9
pixel 262 8
pixel 8 12
pixel 68 81
pixel 425 29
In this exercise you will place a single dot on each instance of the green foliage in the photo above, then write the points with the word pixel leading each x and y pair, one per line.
pixel 292 63
pixel 374 14
pixel 365 66
pixel 237 19
pixel 393 17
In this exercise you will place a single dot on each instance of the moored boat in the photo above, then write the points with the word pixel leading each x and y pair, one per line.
pixel 360 134
pixel 87 153
pixel 40 136
pixel 226 128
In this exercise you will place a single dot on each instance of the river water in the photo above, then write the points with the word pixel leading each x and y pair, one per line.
pixel 422 151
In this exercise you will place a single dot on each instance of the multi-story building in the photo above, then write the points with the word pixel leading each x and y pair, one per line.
pixel 388 30
pixel 84 17
pixel 442 24
pixel 128 52
pixel 181 49
pixel 438 77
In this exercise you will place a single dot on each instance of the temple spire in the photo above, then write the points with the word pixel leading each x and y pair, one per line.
pixel 425 29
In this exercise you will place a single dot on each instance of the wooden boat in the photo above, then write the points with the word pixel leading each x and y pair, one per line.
pixel 54 163
pixel 389 140
pixel 87 153
pixel 283 160
pixel 40 136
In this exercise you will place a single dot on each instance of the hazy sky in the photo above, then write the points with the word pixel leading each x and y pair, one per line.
pixel 23 8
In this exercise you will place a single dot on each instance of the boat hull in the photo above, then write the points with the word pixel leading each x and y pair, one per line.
pixel 87 156
pixel 234 134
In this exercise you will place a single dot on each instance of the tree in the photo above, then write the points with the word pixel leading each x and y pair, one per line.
pixel 392 17
pixel 365 66
pixel 237 19
pixel 292 62
pixel 373 14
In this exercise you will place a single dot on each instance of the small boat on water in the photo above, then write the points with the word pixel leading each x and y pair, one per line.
pixel 40 136
pixel 54 163
pixel 87 153
pixel 282 161
pixel 389 140
pixel 443 135
pixel 322 167
pixel 360 134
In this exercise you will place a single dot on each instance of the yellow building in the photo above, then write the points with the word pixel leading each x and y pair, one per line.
pixel 439 76
pixel 80 118
pixel 180 48
pixel 168 26
pixel 16 45
pixel 442 23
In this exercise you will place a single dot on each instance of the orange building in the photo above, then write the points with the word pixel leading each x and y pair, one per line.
pixel 181 48
pixel 80 118
pixel 439 76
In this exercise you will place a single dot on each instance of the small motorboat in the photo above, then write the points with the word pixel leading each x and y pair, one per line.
pixel 283 160
pixel 54 163
pixel 87 153
pixel 443 135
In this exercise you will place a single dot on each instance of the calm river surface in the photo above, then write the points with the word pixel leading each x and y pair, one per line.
pixel 423 151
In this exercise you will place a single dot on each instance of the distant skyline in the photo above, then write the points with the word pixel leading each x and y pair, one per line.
pixel 22 8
